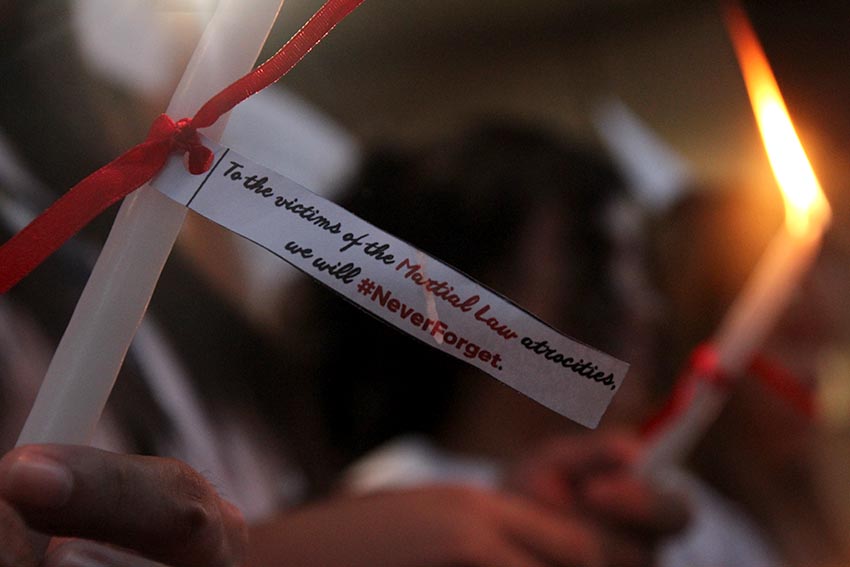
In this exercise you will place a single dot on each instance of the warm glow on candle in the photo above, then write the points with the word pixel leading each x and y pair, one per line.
pixel 776 277
pixel 804 200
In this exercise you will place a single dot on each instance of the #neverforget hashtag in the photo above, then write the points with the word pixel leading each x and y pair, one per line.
pixel 433 327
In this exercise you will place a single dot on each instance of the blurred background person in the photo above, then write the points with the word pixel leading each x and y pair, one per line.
pixel 517 209
pixel 542 220
pixel 530 216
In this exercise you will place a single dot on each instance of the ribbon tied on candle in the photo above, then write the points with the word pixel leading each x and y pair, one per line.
pixel 182 136
pixel 87 199
pixel 703 367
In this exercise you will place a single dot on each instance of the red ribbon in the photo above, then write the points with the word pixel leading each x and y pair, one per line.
pixel 703 366
pixel 784 385
pixel 84 201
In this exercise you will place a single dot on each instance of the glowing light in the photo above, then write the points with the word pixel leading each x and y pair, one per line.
pixel 801 191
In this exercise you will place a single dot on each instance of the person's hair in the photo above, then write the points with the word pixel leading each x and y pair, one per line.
pixel 464 201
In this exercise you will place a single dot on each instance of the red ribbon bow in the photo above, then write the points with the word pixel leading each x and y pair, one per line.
pixel 182 136
pixel 84 201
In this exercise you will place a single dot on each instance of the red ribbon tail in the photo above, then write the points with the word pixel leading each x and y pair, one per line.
pixel 785 385
pixel 272 70
pixel 77 207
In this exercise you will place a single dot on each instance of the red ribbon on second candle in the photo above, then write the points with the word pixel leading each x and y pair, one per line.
pixel 703 366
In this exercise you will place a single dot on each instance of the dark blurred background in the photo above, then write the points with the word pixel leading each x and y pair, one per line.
pixel 418 67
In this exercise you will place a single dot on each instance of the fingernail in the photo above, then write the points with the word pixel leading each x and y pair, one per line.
pixel 37 480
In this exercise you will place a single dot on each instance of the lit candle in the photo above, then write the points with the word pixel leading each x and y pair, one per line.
pixel 778 273
pixel 84 367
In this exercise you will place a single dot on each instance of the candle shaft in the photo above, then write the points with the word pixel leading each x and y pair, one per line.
pixel 745 327
pixel 766 295
pixel 83 370
pixel 675 442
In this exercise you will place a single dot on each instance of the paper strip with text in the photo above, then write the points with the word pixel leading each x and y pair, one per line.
pixel 394 281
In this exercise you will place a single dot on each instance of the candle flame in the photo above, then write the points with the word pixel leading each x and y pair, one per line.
pixel 801 191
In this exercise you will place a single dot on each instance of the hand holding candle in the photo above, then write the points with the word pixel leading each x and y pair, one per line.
pixel 785 262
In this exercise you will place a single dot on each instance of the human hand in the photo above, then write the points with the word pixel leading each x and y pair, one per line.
pixel 425 527
pixel 155 508
pixel 592 476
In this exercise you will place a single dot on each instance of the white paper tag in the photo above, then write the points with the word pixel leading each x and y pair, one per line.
pixel 392 280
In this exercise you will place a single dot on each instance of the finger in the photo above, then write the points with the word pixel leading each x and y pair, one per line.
pixel 82 553
pixel 580 454
pixel 624 501
pixel 15 549
pixel 160 507
pixel 560 539
pixel 550 473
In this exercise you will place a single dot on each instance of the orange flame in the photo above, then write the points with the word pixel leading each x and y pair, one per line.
pixel 804 199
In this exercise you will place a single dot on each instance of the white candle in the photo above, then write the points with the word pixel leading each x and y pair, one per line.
pixel 84 367
pixel 785 262
pixel 742 331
